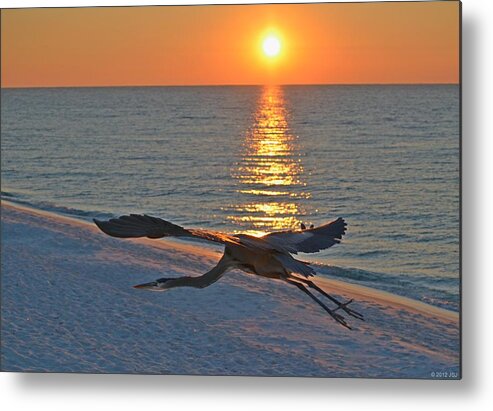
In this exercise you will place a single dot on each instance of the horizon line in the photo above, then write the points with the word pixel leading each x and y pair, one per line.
pixel 237 85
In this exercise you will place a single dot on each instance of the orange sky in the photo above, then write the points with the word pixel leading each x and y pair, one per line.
pixel 321 44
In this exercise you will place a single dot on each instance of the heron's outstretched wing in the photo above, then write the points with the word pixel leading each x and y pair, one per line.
pixel 136 225
pixel 311 240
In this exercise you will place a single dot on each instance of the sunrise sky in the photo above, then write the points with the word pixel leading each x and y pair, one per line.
pixel 209 45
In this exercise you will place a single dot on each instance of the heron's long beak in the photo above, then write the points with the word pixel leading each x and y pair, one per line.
pixel 148 286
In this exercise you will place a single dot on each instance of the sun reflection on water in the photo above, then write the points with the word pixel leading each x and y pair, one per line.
pixel 269 173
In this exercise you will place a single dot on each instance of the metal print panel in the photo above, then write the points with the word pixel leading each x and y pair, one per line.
pixel 261 190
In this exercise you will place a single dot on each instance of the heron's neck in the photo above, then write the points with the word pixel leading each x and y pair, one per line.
pixel 204 280
pixel 184 282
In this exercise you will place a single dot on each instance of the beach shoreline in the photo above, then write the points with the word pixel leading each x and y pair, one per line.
pixel 73 284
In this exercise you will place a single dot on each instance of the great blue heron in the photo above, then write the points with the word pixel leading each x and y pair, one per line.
pixel 268 256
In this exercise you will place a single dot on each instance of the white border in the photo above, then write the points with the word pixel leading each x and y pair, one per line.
pixel 45 392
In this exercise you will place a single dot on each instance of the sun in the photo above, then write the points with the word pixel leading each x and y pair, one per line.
pixel 271 46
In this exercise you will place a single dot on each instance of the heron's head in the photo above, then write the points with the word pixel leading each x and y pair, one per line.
pixel 162 284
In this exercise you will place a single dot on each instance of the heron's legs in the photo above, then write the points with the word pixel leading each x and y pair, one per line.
pixel 339 318
pixel 342 306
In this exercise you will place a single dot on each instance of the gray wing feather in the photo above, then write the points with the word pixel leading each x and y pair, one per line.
pixel 309 241
pixel 136 225
pixel 295 266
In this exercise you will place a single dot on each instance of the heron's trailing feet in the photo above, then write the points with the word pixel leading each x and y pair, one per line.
pixel 339 318
pixel 340 306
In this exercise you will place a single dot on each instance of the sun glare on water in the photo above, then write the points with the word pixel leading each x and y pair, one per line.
pixel 271 46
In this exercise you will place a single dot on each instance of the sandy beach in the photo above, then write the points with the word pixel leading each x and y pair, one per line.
pixel 68 305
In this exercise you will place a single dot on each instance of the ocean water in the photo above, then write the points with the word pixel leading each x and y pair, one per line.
pixel 257 159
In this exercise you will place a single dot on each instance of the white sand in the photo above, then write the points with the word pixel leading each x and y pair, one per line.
pixel 68 305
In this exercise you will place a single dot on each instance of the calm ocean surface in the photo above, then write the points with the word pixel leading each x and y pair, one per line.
pixel 257 159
